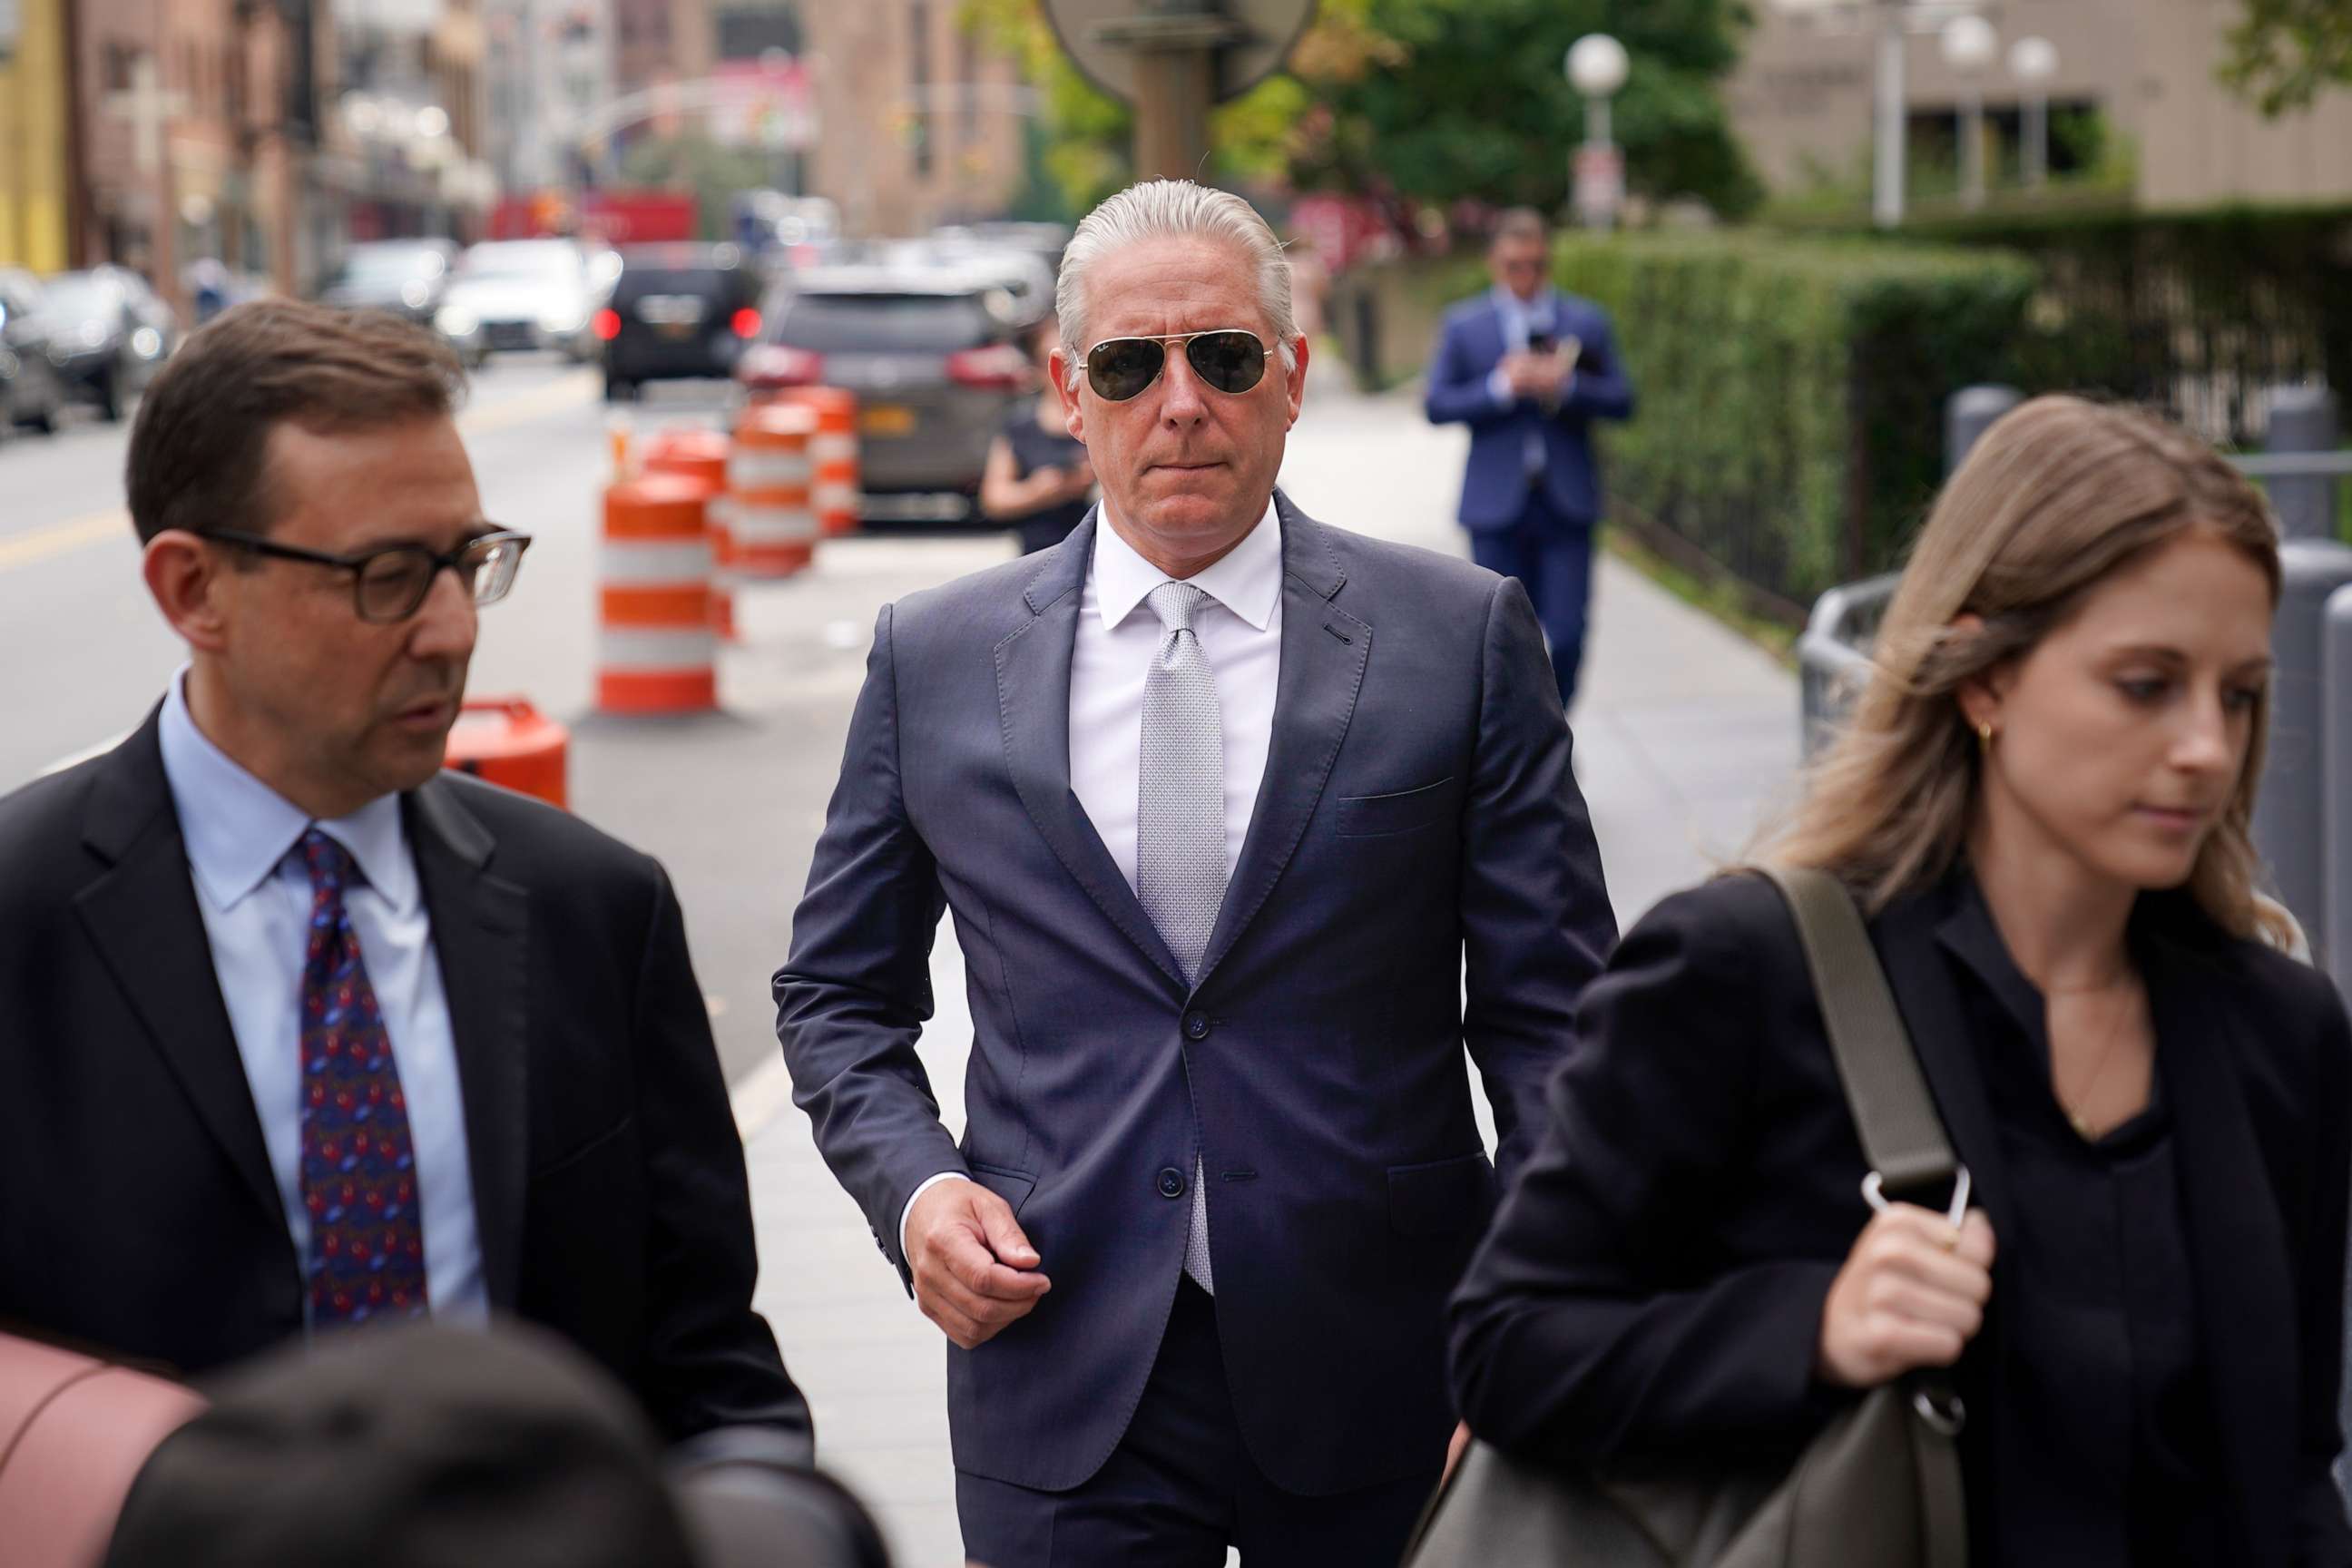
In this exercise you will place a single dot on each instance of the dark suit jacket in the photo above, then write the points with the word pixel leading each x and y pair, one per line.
pixel 136 1208
pixel 1470 345
pixel 1654 1285
pixel 1417 804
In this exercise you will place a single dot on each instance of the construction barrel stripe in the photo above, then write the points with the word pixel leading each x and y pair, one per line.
pixel 656 652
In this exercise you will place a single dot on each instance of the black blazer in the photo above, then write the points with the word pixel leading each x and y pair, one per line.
pixel 1417 807
pixel 136 1208
pixel 1653 1285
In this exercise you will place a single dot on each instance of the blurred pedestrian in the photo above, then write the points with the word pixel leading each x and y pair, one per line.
pixel 304 1033
pixel 1222 799
pixel 2042 806
pixel 1529 368
pixel 1038 477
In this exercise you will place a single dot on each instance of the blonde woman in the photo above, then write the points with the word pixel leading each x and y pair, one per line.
pixel 2042 806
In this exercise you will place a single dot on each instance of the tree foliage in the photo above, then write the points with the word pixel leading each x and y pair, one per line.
pixel 2282 53
pixel 1431 100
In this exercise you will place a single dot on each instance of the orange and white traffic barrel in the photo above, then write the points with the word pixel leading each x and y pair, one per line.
pixel 833 450
pixel 771 504
pixel 700 456
pixel 656 652
pixel 508 741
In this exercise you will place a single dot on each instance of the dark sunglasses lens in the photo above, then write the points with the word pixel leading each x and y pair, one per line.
pixel 393 584
pixel 1230 361
pixel 1123 368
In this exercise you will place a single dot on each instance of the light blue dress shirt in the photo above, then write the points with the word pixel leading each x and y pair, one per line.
pixel 254 894
pixel 1522 319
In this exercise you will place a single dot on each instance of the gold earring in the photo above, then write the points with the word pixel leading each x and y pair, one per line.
pixel 1984 738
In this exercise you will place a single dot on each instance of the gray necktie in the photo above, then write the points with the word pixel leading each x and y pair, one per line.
pixel 1180 821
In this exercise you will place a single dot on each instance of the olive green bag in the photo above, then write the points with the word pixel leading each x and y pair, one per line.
pixel 1878 1488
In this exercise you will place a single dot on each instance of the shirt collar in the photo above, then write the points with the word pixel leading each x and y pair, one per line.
pixel 1542 307
pixel 1247 580
pixel 237 829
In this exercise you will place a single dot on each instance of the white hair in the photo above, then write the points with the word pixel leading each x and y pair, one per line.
pixel 1173 209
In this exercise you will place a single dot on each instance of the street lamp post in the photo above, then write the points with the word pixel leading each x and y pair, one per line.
pixel 2033 61
pixel 1969 45
pixel 1597 69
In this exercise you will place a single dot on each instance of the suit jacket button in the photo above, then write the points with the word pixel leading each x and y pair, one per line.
pixel 1171 1183
pixel 1196 1025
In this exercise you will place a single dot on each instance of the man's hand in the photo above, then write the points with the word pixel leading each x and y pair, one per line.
pixel 974 1271
pixel 1912 1294
pixel 1531 375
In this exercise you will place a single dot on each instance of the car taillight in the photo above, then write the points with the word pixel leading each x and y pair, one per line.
pixel 747 322
pixel 1001 367
pixel 608 323
pixel 774 365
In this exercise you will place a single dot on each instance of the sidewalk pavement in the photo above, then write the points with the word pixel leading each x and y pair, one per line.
pixel 1686 738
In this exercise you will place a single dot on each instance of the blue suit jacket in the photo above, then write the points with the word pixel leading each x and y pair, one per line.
pixel 1470 345
pixel 1417 807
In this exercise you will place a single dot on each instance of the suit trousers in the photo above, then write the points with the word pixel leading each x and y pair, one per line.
pixel 1180 1488
pixel 1551 555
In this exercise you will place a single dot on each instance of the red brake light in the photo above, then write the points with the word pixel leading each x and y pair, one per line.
pixel 1000 367
pixel 747 322
pixel 774 365
pixel 608 324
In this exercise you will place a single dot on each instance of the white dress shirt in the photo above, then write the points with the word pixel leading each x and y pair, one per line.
pixel 1240 629
pixel 254 894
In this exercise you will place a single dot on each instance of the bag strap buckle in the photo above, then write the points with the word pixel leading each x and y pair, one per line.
pixel 1874 1192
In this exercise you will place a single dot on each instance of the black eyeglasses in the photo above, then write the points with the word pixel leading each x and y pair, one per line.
pixel 390 585
pixel 1228 359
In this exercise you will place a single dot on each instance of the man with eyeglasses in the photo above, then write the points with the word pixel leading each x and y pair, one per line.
pixel 1222 800
pixel 300 1033
pixel 1529 368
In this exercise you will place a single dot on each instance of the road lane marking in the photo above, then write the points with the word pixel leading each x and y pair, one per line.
pixel 64 538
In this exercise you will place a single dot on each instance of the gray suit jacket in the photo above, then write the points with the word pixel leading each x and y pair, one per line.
pixel 1418 810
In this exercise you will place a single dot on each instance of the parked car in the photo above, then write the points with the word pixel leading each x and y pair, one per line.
pixel 524 294
pixel 406 277
pixel 107 333
pixel 32 393
pixel 677 312
pixel 933 356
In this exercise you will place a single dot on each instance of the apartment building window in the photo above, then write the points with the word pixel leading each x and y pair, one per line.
pixel 967 83
pixel 918 66
pixel 115 66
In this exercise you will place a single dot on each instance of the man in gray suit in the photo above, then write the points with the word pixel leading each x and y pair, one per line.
pixel 1223 800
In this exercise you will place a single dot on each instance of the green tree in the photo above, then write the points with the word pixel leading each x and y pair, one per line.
pixel 2282 53
pixel 695 163
pixel 1436 101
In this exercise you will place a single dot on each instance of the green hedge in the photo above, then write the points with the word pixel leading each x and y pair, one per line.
pixel 1792 391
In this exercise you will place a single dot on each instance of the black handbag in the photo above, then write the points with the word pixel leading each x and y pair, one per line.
pixel 1879 1486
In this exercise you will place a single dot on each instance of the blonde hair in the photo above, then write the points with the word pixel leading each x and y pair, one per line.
pixel 2054 500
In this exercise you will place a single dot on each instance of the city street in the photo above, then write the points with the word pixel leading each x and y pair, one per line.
pixel 1687 736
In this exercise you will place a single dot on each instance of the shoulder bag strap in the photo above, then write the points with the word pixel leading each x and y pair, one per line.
pixel 1902 1135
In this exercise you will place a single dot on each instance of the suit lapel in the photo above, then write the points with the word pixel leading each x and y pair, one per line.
pixel 1324 654
pixel 1911 939
pixel 1032 694
pixel 481 936
pixel 142 916
pixel 2237 1247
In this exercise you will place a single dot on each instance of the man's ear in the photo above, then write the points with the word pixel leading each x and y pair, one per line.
pixel 186 578
pixel 1074 415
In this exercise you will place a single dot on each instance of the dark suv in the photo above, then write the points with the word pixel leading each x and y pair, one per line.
pixel 677 311
pixel 929 353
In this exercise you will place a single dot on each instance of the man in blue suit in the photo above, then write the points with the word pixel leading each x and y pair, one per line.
pixel 1529 369
pixel 1224 802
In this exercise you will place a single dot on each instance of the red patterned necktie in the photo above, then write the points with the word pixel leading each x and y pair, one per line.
pixel 358 1168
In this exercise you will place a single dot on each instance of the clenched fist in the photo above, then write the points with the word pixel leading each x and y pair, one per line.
pixel 1912 1293
pixel 974 1271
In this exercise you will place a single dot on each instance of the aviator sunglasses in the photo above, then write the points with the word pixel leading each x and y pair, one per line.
pixel 1228 359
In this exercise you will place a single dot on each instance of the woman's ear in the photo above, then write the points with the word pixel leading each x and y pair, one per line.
pixel 1979 696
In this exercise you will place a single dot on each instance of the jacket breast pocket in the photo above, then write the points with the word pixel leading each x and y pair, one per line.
pixel 1406 811
pixel 1443 1197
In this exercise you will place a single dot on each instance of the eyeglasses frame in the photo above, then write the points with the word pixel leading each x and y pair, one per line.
pixel 357 564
